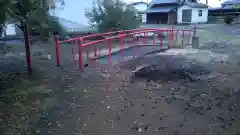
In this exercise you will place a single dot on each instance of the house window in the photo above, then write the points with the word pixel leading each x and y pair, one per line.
pixel 199 12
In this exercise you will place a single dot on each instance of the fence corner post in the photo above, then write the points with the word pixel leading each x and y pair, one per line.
pixel 195 30
pixel 80 43
pixel 57 49
pixel 173 42
pixel 122 37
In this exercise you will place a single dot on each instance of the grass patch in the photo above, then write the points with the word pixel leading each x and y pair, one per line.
pixel 207 35
pixel 21 96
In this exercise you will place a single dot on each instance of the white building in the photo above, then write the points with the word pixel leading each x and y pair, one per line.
pixel 141 7
pixel 192 13
pixel 177 12
pixel 71 26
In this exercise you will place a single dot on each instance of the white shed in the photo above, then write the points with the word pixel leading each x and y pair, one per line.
pixel 192 13
pixel 176 11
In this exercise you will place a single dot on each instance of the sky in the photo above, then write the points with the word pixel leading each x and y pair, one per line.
pixel 74 9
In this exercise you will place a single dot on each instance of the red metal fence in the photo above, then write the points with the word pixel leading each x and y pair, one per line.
pixel 172 36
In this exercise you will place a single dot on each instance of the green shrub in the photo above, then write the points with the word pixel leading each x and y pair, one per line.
pixel 112 15
pixel 229 19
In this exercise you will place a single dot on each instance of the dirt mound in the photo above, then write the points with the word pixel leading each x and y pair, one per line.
pixel 172 67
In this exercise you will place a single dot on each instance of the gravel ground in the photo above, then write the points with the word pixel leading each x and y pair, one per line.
pixel 166 100
pixel 194 93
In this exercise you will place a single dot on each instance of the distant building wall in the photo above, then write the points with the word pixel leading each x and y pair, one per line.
pixel 141 8
pixel 71 26
pixel 195 18
pixel 9 30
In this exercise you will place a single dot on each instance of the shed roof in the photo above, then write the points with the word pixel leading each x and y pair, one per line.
pixel 196 5
pixel 160 10
pixel 163 1
pixel 136 3
pixel 231 2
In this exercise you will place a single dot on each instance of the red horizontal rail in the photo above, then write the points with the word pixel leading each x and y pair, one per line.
pixel 115 32
pixel 114 37
pixel 99 34
pixel 108 33
pixel 119 35
pixel 69 40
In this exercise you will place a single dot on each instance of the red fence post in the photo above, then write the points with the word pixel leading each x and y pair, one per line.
pixel 169 38
pixel 145 37
pixel 161 38
pixel 110 51
pixel 133 46
pixel 95 51
pixel 57 50
pixel 182 36
pixel 80 44
pixel 172 35
pixel 99 50
pixel 189 35
pixel 73 57
pixel 122 44
pixel 176 36
pixel 86 49
pixel 195 30
pixel 154 42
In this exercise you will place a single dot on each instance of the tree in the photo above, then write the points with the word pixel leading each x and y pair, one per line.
pixel 109 15
pixel 25 12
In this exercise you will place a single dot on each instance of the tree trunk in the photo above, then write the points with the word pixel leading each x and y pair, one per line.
pixel 27 47
pixel 1 31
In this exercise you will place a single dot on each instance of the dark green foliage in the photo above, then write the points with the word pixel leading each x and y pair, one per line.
pixel 108 15
pixel 46 28
pixel 229 19
pixel 33 12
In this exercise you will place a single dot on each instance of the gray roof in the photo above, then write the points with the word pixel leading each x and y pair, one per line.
pixel 230 2
pixel 196 5
pixel 163 1
pixel 160 10
pixel 136 3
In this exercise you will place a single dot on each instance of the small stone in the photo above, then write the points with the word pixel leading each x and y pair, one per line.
pixel 179 97
pixel 162 128
pixel 118 117
pixel 154 107
pixel 139 129
pixel 220 118
pixel 209 108
pixel 176 132
pixel 203 95
pixel 154 102
pixel 146 127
